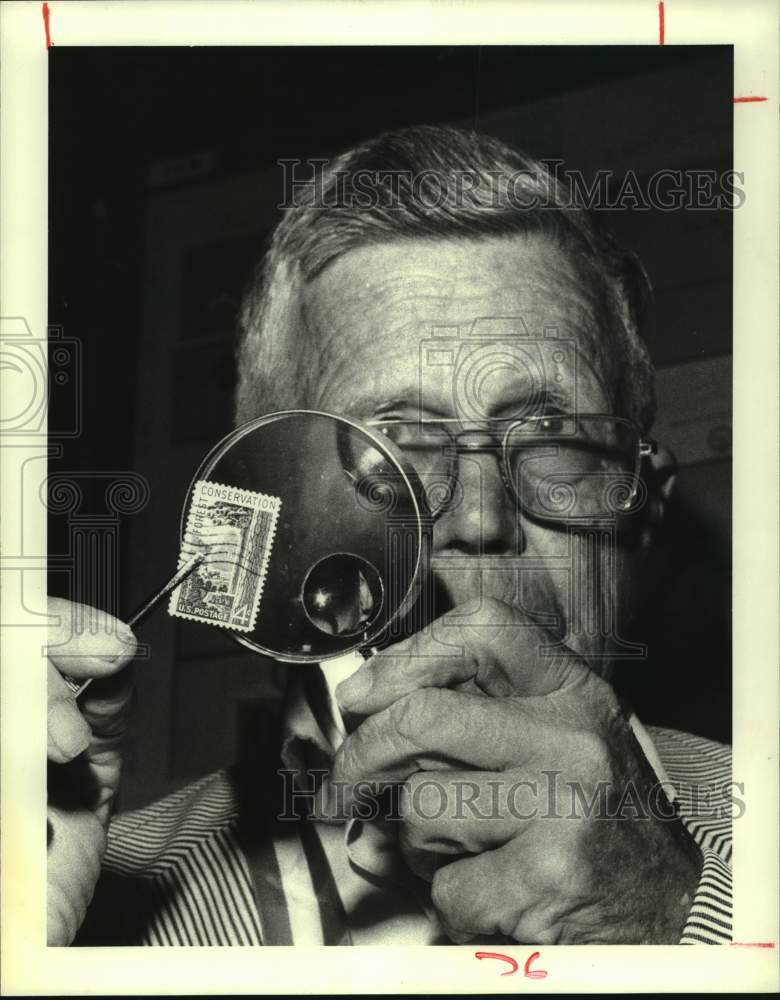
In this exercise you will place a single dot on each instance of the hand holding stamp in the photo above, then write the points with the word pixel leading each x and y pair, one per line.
pixel 222 551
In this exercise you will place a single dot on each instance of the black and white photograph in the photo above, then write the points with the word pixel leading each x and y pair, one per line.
pixel 389 459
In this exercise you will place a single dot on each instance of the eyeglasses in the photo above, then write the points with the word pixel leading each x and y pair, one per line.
pixel 555 466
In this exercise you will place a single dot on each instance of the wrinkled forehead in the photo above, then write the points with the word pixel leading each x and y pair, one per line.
pixel 468 328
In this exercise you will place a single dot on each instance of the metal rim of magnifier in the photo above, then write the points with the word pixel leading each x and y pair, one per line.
pixel 410 481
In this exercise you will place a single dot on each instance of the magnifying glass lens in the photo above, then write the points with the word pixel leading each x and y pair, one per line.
pixel 350 522
pixel 343 594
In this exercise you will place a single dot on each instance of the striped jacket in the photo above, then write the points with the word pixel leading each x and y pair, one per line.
pixel 212 864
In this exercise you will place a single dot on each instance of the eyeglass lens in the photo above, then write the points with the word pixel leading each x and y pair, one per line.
pixel 557 466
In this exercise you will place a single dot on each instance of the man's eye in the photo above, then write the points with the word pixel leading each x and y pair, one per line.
pixel 553 424
pixel 399 433
pixel 392 430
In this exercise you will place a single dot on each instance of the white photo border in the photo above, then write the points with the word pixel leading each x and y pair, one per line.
pixel 28 966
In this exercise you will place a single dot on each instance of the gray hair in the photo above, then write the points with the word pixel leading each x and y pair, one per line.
pixel 409 184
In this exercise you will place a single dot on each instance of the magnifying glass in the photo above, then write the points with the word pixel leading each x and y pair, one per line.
pixel 304 535
pixel 350 531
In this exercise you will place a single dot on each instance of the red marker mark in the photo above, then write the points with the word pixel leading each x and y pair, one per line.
pixel 46 24
pixel 746 100
pixel 533 973
pixel 503 958
pixel 752 944
pixel 661 23
pixel 528 972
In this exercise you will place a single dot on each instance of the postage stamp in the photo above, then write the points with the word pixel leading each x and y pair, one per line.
pixel 235 529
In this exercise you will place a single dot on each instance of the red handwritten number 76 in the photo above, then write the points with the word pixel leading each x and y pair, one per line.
pixel 528 972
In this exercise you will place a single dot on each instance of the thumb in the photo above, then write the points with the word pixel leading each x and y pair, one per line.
pixel 502 640
pixel 87 642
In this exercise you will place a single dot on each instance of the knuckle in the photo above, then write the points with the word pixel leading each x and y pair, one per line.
pixel 481 611
pixel 410 833
pixel 555 866
pixel 444 892
pixel 467 609
pixel 343 766
pixel 475 622
pixel 423 800
pixel 410 666
pixel 431 803
pixel 495 611
pixel 406 797
pixel 405 712
pixel 353 756
pixel 418 711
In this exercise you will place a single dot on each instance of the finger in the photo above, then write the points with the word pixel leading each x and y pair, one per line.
pixel 397 671
pixel 446 815
pixel 482 895
pixel 466 812
pixel 500 651
pixel 86 642
pixel 68 733
pixel 76 844
pixel 417 662
pixel 501 637
pixel 106 706
pixel 435 727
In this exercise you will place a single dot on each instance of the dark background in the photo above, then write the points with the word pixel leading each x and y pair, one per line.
pixel 132 130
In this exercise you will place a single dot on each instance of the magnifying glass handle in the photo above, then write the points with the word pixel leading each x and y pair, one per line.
pixel 336 670
pixel 145 610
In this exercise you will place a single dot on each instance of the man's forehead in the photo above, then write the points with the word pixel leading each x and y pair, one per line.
pixel 396 312
pixel 456 271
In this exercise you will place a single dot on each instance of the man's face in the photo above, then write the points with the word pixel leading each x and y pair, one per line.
pixel 370 313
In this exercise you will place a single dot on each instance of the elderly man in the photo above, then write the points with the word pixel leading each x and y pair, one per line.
pixel 532 806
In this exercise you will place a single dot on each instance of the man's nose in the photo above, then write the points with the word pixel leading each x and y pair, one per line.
pixel 483 518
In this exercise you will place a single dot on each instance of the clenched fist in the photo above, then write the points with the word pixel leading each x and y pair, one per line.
pixel 528 801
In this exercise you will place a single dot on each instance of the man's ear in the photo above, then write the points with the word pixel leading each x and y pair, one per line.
pixel 664 473
pixel 661 480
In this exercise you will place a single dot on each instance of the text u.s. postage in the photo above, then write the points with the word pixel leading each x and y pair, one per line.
pixel 234 529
